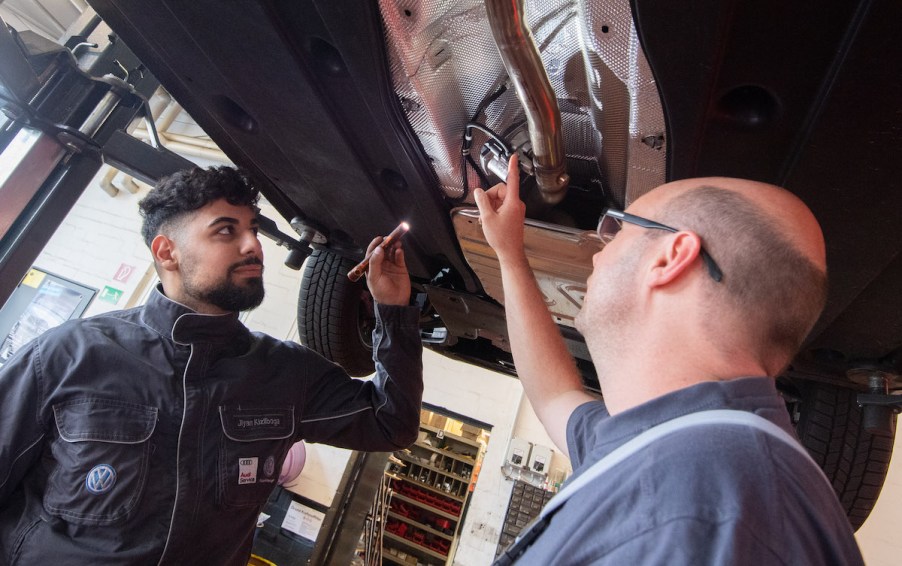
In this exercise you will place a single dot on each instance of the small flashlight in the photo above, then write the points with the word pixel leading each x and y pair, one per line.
pixel 361 267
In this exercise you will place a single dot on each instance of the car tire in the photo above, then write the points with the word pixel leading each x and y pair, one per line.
pixel 855 461
pixel 336 316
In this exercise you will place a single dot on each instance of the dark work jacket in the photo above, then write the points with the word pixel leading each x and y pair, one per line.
pixel 155 435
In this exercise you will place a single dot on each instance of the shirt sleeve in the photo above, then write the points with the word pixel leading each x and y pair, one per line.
pixel 581 434
pixel 21 428
pixel 382 414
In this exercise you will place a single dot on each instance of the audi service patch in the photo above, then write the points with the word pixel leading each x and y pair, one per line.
pixel 247 470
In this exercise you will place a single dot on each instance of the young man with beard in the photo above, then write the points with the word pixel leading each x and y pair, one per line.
pixel 155 435
pixel 699 302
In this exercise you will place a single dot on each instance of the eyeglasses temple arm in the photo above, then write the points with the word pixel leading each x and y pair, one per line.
pixel 713 269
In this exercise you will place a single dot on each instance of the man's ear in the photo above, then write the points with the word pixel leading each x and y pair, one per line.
pixel 675 258
pixel 164 253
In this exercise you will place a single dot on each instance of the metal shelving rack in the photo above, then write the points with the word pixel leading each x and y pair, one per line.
pixel 430 491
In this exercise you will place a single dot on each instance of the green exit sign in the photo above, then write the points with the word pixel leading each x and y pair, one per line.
pixel 110 295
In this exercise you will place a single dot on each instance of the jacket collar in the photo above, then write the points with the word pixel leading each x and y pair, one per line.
pixel 185 326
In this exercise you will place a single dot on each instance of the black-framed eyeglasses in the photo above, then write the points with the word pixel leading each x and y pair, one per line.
pixel 612 220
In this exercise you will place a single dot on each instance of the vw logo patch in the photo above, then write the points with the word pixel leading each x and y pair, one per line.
pixel 100 479
pixel 269 467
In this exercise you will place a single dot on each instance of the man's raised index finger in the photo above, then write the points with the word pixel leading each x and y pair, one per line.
pixel 513 177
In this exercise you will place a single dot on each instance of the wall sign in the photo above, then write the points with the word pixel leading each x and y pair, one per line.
pixel 110 295
pixel 123 273
pixel 303 520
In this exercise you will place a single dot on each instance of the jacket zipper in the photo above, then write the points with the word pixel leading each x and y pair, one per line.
pixel 178 453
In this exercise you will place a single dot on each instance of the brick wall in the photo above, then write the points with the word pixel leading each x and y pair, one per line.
pixel 100 234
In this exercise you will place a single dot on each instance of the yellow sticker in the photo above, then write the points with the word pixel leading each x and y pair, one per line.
pixel 33 278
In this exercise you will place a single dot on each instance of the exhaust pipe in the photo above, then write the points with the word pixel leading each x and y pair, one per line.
pixel 524 66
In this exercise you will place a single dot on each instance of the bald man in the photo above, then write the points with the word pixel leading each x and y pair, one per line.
pixel 701 296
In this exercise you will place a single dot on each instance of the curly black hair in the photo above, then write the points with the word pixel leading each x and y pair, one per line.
pixel 185 191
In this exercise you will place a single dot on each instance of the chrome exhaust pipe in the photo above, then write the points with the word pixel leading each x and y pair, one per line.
pixel 524 66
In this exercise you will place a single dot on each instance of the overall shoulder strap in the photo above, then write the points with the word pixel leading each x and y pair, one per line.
pixel 702 418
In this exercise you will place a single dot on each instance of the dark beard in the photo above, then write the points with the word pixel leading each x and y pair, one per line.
pixel 231 297
pixel 227 295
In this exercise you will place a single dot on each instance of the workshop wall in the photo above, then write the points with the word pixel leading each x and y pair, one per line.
pixel 879 537
pixel 493 399
pixel 99 240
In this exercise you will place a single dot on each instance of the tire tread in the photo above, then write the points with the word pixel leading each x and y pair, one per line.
pixel 327 313
pixel 855 461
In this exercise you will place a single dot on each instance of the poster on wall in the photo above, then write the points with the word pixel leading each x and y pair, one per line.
pixel 302 520
pixel 40 302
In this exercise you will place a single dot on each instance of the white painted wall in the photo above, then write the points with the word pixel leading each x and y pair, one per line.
pixel 100 234
pixel 880 538
pixel 494 399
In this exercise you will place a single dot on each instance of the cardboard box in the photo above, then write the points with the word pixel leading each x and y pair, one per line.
pixel 470 432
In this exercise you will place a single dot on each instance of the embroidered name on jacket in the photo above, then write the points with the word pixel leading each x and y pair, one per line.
pixel 248 425
pixel 262 421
